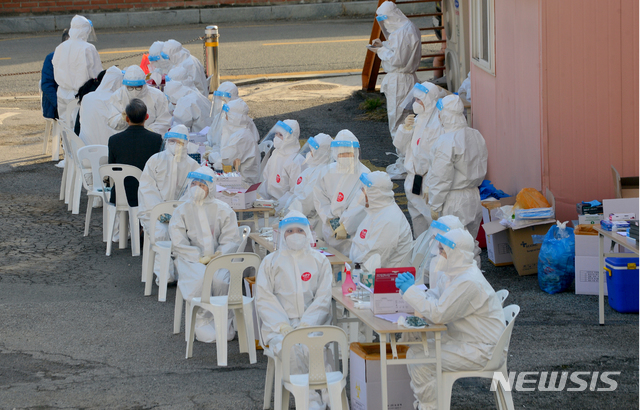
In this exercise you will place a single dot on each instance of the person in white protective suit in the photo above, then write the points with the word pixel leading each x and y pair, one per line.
pixel 464 301
pixel 400 57
pixel 202 229
pixel 465 87
pixel 424 254
pixel 188 106
pixel 226 92
pixel 293 290
pixel 285 165
pixel 302 198
pixel 95 107
pixel 414 139
pixel 181 57
pixel 75 62
pixel 238 142
pixel 162 179
pixel 385 230
pixel 135 86
pixel 337 191
pixel 159 64
pixel 458 165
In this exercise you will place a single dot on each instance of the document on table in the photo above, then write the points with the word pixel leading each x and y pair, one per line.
pixel 325 253
pixel 393 317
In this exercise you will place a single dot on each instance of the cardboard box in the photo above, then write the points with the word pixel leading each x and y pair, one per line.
pixel 625 187
pixel 238 198
pixel 591 219
pixel 386 298
pixel 365 379
pixel 587 245
pixel 227 181
pixel 587 275
pixel 498 249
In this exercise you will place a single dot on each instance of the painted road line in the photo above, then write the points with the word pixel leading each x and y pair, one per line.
pixel 123 51
pixel 245 76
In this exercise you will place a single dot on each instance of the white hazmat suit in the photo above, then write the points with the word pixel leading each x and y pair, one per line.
pixel 159 64
pixel 400 57
pixel 94 129
pixel 181 57
pixel 293 290
pixel 424 254
pixel 155 100
pixel 458 167
pixel 201 229
pixel 74 63
pixel 385 230
pixel 415 138
pixel 190 107
pixel 467 304
pixel 337 191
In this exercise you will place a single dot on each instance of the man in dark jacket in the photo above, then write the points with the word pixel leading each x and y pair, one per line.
pixel 133 146
pixel 49 86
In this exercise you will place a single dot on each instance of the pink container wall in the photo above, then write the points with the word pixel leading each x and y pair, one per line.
pixel 590 57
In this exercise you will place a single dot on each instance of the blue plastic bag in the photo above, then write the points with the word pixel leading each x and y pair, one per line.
pixel 557 259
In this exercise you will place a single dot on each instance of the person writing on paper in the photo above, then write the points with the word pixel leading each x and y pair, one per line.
pixel 202 229
pixel 464 301
pixel 162 179
pixel 293 290
pixel 188 106
pixel 385 230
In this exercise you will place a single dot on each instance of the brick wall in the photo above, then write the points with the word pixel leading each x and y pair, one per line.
pixel 15 7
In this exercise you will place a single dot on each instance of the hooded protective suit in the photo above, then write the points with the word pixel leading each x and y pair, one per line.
pixel 400 56
pixel 74 63
pixel 238 142
pixel 293 289
pixel 467 304
pixel 385 230
pixel 415 142
pixel 338 189
pixel 181 57
pixel 190 107
pixel 284 166
pixel 155 100
pixel 159 64
pixel 458 167
pixel 95 107
pixel 302 198
pixel 201 229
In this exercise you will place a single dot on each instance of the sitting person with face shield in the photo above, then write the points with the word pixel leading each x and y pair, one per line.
pixel 385 230
pixel 225 93
pixel 238 144
pixel 202 229
pixel 458 165
pixel 293 291
pixel 464 301
pixel 188 106
pixel 135 86
pixel 337 191
pixel 302 199
pixel 181 57
pixel 285 164
pixel 159 64
pixel 162 179
pixel 414 140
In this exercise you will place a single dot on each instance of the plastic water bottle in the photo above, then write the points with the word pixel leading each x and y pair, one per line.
pixel 355 275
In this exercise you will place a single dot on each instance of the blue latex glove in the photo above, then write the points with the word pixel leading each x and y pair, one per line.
pixel 404 281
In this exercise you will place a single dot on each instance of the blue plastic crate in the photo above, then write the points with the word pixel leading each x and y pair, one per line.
pixel 622 283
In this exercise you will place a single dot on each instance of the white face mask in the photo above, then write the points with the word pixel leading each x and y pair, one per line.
pixel 277 142
pixel 418 108
pixel 297 241
pixel 345 165
pixel 441 264
pixel 198 194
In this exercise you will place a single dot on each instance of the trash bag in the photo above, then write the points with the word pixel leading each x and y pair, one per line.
pixel 530 198
pixel 556 261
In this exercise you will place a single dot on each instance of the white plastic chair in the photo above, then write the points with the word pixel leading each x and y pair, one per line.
pixel 236 263
pixel 502 295
pixel 163 248
pixel 117 174
pixel 67 173
pixel 244 231
pixel 315 338
pixel 500 353
pixel 96 155
pixel 51 131
pixel 79 169
pixel 271 364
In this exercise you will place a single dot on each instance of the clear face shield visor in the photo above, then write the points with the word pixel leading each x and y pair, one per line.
pixel 196 179
pixel 432 247
pixel 415 96
pixel 294 233
pixel 382 22
pixel 280 130
pixel 346 155
pixel 309 148
pixel 439 252
pixel 219 99
pixel 92 33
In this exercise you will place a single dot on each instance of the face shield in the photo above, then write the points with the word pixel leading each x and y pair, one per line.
pixel 294 233
pixel 347 156
pixel 92 33
pixel 176 144
pixel 433 253
pixel 277 134
pixel 307 149
pixel 134 81
pixel 198 186
pixel 440 251
pixel 415 101
pixel 235 113
pixel 382 22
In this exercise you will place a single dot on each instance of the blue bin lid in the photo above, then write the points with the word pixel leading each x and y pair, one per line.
pixel 621 263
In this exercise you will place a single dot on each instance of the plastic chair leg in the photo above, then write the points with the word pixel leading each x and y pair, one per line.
pixel 507 399
pixel 278 391
pixel 190 331
pixel 285 399
pixel 335 391
pixel 148 274
pixel 134 227
pixel 187 317
pixel 55 141
pixel 242 329
pixel 447 386
pixel 221 322
pixel 268 384
pixel 71 173
pixel 177 311
pixel 250 334
pixel 105 219
pixel 87 218
pixel 122 232
pixel 145 256
pixel 111 221
pixel 165 260
pixel 77 191
pixel 47 133
pixel 63 182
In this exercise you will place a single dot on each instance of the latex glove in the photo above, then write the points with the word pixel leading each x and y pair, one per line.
pixel 285 329
pixel 376 43
pixel 435 215
pixel 206 259
pixel 340 232
pixel 409 122
pixel 216 159
pixel 404 281
pixel 164 218
pixel 302 325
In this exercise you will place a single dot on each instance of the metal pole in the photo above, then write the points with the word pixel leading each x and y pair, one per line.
pixel 211 52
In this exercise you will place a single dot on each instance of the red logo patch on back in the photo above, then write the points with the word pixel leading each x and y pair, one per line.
pixel 278 178
pixel 306 276
pixel 418 143
pixel 363 233
pixel 299 180
pixel 340 197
